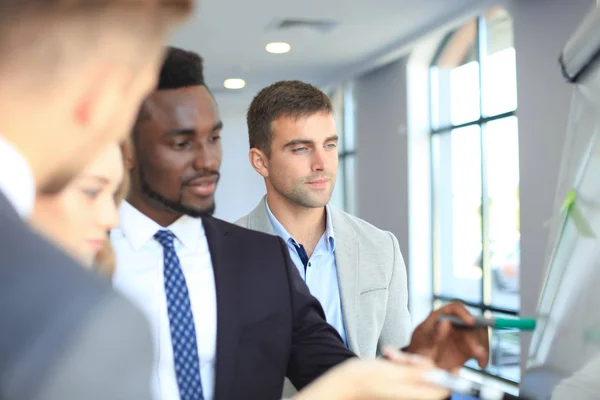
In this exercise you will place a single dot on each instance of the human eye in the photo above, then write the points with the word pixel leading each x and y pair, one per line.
pixel 92 193
pixel 181 144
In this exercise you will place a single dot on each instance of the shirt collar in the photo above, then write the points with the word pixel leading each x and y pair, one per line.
pixel 282 232
pixel 138 229
pixel 16 179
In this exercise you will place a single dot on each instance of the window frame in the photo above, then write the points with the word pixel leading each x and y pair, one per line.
pixel 344 151
pixel 485 305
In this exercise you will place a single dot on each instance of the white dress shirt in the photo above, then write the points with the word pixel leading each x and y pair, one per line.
pixel 16 179
pixel 139 276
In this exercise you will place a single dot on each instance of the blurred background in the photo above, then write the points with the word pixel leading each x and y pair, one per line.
pixel 452 115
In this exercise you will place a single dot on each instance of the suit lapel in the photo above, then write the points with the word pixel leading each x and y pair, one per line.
pixel 258 219
pixel 346 258
pixel 224 264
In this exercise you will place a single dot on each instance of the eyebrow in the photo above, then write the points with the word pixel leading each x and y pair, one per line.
pixel 100 179
pixel 218 126
pixel 190 131
pixel 296 142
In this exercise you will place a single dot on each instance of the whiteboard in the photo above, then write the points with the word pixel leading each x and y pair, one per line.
pixel 564 358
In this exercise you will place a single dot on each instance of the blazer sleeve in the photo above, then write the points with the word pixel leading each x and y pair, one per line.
pixel 397 326
pixel 109 358
pixel 316 345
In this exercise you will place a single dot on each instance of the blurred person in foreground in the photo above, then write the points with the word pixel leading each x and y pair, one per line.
pixel 406 377
pixel 72 76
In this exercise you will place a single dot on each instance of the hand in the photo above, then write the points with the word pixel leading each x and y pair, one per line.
pixel 376 380
pixel 449 346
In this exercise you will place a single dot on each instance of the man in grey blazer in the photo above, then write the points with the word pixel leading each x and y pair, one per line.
pixel 355 269
pixel 366 297
pixel 72 77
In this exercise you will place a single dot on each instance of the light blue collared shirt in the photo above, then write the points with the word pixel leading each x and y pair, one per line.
pixel 321 272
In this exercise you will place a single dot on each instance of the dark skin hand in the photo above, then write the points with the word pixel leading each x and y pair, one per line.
pixel 449 346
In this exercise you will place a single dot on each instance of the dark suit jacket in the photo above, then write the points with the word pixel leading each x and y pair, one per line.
pixel 268 324
pixel 64 333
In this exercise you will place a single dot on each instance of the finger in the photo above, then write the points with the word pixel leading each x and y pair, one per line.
pixel 407 383
pixel 475 348
pixel 444 329
pixel 420 361
pixel 484 337
pixel 412 391
pixel 462 353
pixel 454 351
pixel 402 358
pixel 460 311
pixel 433 317
pixel 394 355
pixel 430 322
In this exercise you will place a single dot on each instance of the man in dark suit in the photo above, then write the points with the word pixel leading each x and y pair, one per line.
pixel 231 316
pixel 65 334
pixel 268 325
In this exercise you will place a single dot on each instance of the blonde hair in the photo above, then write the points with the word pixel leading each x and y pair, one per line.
pixel 105 261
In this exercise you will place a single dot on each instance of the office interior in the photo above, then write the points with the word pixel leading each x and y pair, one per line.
pixel 452 116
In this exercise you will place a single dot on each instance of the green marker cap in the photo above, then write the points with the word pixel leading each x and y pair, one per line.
pixel 522 324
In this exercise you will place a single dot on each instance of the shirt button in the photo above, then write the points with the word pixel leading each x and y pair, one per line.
pixel 309 264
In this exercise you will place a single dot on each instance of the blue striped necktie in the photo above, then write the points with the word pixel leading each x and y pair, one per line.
pixel 181 322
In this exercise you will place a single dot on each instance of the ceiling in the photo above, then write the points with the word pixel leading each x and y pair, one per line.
pixel 231 36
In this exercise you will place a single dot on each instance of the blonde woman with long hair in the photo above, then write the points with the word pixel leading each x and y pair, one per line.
pixel 80 217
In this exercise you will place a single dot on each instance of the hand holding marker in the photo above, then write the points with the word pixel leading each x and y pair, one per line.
pixel 522 324
pixel 463 386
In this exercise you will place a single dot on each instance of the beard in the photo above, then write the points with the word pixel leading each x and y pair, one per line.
pixel 174 206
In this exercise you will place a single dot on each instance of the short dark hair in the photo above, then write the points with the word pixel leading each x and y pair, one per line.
pixel 181 68
pixel 285 98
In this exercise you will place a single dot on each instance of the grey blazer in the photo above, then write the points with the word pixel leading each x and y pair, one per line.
pixel 372 279
pixel 64 333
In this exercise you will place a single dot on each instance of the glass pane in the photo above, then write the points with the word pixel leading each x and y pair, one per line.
pixel 457 214
pixel 349 131
pixel 337 197
pixel 499 69
pixel 455 79
pixel 501 143
pixel 350 167
pixel 337 103
pixel 505 353
pixel 464 93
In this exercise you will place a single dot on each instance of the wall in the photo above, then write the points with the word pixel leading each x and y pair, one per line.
pixel 541 29
pixel 240 187
pixel 382 196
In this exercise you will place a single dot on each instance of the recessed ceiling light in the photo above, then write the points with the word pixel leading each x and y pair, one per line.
pixel 234 83
pixel 278 47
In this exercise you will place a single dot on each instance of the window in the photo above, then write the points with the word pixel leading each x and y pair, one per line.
pixel 475 177
pixel 344 196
